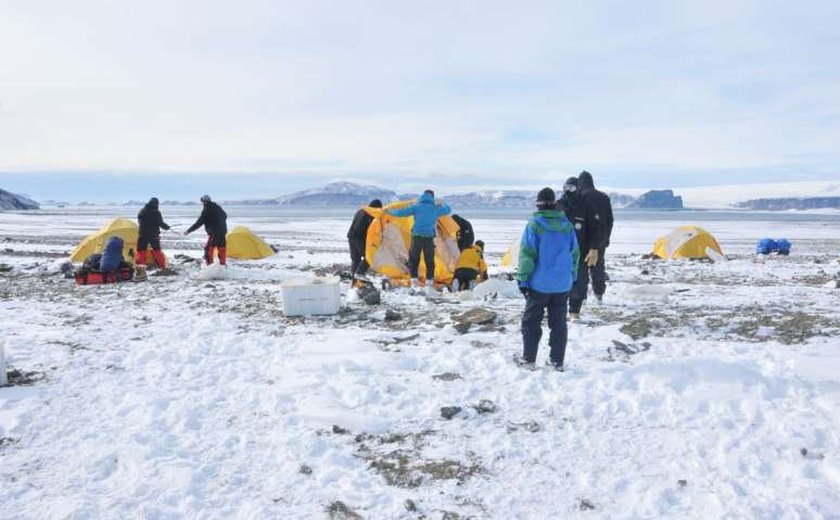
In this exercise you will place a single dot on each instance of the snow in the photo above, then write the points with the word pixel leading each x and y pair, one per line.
pixel 692 392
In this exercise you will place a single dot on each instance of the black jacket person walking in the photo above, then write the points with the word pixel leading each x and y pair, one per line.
pixel 150 222
pixel 214 220
pixel 357 238
pixel 602 205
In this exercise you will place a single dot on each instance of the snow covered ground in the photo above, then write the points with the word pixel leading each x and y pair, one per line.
pixel 697 391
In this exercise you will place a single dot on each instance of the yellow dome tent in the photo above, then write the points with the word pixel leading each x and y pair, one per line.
pixel 389 238
pixel 245 245
pixel 95 243
pixel 687 242
pixel 126 229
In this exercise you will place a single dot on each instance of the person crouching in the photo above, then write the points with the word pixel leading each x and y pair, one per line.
pixel 471 266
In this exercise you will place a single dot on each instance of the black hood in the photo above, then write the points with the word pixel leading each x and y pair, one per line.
pixel 585 181
pixel 153 203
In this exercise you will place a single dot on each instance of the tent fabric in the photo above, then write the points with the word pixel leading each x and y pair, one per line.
pixel 243 244
pixel 687 242
pixel 126 229
pixel 511 259
pixel 389 239
pixel 95 243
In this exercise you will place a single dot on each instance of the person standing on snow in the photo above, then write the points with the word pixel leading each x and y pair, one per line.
pixel 548 264
pixel 425 212
pixel 471 266
pixel 465 232
pixel 357 237
pixel 599 201
pixel 587 229
pixel 150 222
pixel 214 219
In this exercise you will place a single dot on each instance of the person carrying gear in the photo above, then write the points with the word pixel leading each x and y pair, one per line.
pixel 587 230
pixel 602 205
pixel 465 232
pixel 548 265
pixel 357 237
pixel 425 212
pixel 471 266
pixel 150 222
pixel 214 219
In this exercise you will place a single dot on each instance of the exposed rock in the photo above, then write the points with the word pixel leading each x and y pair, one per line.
pixel 486 406
pixel 682 483
pixel 338 510
pixel 475 316
pixel 409 505
pixel 448 412
pixel 338 430
pixel 304 470
pixel 391 315
pixel 447 376
pixel 586 505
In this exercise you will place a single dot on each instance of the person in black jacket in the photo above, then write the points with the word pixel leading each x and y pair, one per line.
pixel 357 238
pixel 465 232
pixel 588 231
pixel 600 201
pixel 214 219
pixel 150 222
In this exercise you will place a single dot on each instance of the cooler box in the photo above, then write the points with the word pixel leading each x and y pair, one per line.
pixel 311 296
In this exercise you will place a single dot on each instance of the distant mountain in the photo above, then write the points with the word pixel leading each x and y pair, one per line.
pixel 658 199
pixel 492 199
pixel 337 194
pixel 9 201
pixel 798 203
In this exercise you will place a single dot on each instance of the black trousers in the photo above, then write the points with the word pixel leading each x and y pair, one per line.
pixel 426 247
pixel 358 264
pixel 144 242
pixel 465 275
pixel 535 307
pixel 599 274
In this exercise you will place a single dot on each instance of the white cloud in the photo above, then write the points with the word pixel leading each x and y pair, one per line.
pixel 421 88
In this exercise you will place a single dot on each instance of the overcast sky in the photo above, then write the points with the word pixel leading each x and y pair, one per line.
pixel 259 98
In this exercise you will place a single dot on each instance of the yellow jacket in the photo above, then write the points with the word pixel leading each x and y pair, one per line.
pixel 471 258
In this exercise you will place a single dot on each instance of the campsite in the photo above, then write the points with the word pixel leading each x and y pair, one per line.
pixel 699 388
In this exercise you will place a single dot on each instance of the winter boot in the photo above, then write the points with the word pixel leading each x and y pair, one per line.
pixel 574 316
pixel 140 258
pixel 520 361
pixel 556 366
pixel 599 299
pixel 223 256
pixel 430 288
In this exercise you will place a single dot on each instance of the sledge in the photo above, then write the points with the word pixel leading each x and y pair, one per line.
pixel 93 277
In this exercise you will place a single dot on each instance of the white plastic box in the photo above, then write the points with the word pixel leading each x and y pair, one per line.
pixel 311 296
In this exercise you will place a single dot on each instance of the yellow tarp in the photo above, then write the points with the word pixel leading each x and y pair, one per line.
pixel 245 245
pixel 95 243
pixel 389 239
pixel 686 242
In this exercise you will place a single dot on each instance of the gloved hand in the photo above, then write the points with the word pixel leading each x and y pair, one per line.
pixel 525 290
pixel 591 258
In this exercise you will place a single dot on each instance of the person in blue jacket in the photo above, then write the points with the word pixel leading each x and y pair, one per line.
pixel 425 212
pixel 112 257
pixel 548 265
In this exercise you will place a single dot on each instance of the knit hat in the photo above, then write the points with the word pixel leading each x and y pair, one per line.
pixel 205 199
pixel 546 198
pixel 375 203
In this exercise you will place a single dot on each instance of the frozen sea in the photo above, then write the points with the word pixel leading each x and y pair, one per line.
pixel 697 391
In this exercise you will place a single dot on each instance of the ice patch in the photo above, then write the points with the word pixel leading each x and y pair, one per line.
pixel 213 272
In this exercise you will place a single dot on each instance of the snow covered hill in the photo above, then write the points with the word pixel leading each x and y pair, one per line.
pixel 337 194
pixel 10 201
